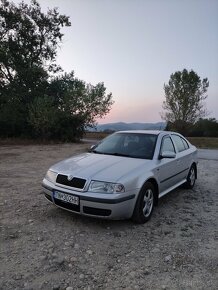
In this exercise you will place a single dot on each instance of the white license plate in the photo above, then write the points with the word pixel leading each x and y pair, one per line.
pixel 66 197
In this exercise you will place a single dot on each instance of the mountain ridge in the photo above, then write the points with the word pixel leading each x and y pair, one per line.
pixel 122 126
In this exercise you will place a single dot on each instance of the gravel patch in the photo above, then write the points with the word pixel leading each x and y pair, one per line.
pixel 44 247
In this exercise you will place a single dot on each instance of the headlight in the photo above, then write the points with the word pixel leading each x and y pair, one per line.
pixel 106 187
pixel 51 176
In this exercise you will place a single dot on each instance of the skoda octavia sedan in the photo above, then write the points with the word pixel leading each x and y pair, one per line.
pixel 123 176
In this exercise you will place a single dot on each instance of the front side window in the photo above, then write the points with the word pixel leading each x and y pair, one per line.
pixel 135 145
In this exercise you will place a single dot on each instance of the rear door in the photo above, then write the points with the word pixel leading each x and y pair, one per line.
pixel 183 157
pixel 168 168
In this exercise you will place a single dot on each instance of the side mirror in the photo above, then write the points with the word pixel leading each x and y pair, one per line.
pixel 92 148
pixel 167 154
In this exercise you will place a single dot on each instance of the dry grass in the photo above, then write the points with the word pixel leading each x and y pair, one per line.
pixel 204 142
pixel 200 142
pixel 24 141
pixel 95 135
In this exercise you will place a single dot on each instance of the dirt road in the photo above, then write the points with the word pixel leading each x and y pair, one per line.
pixel 43 247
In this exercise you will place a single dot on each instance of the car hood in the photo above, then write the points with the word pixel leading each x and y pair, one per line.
pixel 99 166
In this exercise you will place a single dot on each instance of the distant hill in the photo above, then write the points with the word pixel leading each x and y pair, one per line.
pixel 121 126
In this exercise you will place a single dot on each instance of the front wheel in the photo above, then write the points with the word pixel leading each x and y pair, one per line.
pixel 191 178
pixel 144 204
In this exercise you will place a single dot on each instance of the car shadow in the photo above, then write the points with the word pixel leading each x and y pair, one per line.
pixel 88 222
pixel 172 199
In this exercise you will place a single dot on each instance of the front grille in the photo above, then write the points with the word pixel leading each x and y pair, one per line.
pixel 96 211
pixel 75 182
pixel 67 205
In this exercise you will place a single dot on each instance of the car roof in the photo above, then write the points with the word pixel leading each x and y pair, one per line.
pixel 153 132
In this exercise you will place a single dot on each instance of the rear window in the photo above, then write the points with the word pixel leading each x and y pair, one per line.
pixel 167 145
pixel 181 143
pixel 185 143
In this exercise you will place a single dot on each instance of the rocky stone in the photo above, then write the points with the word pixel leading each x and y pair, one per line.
pixel 59 260
pixel 146 272
pixel 89 252
pixel 17 276
pixel 168 258
pixel 81 276
pixel 43 257
pixel 73 259
pixel 132 274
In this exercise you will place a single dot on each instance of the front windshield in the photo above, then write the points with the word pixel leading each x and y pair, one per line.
pixel 135 145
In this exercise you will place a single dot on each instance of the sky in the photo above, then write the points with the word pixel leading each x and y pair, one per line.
pixel 133 46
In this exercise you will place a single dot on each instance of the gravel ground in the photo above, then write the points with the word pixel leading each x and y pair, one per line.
pixel 44 247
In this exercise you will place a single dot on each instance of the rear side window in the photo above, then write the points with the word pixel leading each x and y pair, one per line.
pixel 180 143
pixel 185 143
pixel 167 145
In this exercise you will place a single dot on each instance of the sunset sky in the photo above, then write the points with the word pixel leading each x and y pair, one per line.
pixel 133 46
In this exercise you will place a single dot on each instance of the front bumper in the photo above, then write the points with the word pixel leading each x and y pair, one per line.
pixel 110 206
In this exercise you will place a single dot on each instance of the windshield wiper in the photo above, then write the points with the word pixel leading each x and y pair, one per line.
pixel 120 154
pixel 97 152
pixel 114 154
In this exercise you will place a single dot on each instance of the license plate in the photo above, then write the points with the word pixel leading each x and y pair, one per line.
pixel 66 197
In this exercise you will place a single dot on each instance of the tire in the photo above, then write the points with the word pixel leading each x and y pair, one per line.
pixel 145 204
pixel 191 178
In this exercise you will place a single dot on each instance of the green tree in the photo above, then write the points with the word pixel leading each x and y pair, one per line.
pixel 77 98
pixel 205 128
pixel 29 41
pixel 43 117
pixel 34 101
pixel 184 105
pixel 71 106
pixel 28 46
pixel 49 122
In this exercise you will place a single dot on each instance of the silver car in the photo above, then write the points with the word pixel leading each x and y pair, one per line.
pixel 123 176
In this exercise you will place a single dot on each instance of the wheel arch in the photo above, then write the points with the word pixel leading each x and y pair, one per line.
pixel 194 164
pixel 137 212
pixel 153 181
